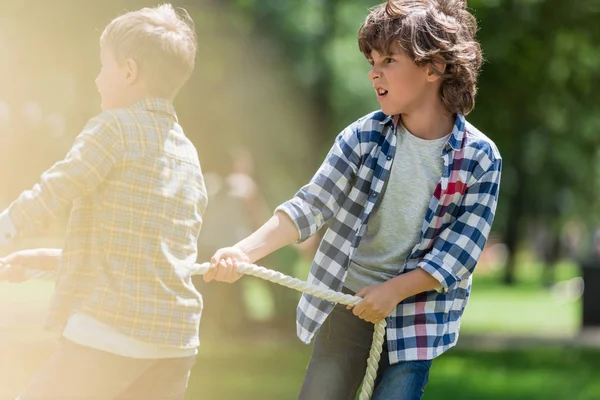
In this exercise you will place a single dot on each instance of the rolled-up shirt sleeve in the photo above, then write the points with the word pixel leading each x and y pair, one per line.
pixel 94 153
pixel 319 201
pixel 457 249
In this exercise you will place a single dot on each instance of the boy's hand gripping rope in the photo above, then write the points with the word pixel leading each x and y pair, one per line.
pixel 292 283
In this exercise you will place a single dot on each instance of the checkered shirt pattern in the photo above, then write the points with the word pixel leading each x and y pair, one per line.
pixel 343 194
pixel 134 187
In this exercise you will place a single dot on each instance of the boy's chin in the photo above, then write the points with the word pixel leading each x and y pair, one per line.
pixel 391 111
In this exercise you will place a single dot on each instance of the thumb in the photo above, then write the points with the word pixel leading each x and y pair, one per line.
pixel 209 275
pixel 361 293
pixel 214 260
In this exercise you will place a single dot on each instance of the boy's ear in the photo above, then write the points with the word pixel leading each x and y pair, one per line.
pixel 131 71
pixel 435 70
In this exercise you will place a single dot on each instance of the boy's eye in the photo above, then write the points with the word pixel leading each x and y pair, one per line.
pixel 388 60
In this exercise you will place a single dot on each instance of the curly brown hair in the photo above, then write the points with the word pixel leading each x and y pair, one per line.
pixel 430 32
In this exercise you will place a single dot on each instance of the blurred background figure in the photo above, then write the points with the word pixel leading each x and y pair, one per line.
pixel 237 207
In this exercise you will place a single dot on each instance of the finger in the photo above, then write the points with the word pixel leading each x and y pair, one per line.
pixel 361 293
pixel 366 314
pixel 218 256
pixel 358 309
pixel 234 274
pixel 366 318
pixel 210 274
pixel 221 270
pixel 229 273
pixel 351 306
pixel 214 260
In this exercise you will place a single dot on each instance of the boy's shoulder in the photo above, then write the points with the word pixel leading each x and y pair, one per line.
pixel 131 115
pixel 374 121
pixel 368 128
pixel 477 141
pixel 106 122
pixel 114 117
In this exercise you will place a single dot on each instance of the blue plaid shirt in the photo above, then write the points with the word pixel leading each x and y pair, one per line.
pixel 344 192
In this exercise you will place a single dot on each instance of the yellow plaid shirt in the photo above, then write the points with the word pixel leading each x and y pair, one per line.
pixel 136 192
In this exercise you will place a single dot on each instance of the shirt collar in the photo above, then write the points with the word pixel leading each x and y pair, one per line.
pixel 157 104
pixel 458 133
pixel 456 137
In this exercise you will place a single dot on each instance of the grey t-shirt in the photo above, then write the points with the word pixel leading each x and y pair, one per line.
pixel 395 226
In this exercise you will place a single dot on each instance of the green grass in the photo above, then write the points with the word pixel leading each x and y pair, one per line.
pixel 269 368
pixel 274 371
pixel 524 309
pixel 527 374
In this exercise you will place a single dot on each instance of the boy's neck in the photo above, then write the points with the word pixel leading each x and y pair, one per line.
pixel 428 123
pixel 136 95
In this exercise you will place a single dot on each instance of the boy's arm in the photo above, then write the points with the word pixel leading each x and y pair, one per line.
pixel 13 267
pixel 95 151
pixel 43 258
pixel 301 217
pixel 457 249
pixel 320 200
pixel 277 232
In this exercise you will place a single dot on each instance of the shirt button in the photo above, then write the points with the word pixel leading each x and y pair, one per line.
pixel 389 158
pixel 373 195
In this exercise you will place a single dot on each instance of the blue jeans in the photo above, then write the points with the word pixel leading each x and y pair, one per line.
pixel 339 362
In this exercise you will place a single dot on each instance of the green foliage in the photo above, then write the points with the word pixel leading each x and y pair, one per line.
pixel 538 100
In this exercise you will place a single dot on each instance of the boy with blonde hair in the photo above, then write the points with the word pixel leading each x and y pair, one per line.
pixel 409 193
pixel 124 298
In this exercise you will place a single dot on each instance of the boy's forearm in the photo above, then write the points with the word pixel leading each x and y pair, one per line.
pixel 50 258
pixel 413 283
pixel 276 233
pixel 50 252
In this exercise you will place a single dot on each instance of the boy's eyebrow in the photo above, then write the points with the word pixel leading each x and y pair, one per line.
pixel 385 55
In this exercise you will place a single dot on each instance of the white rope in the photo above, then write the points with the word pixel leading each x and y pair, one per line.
pixel 284 280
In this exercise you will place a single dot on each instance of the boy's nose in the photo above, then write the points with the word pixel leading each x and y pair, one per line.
pixel 373 74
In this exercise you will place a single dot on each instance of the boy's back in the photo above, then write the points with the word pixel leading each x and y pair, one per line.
pixel 130 242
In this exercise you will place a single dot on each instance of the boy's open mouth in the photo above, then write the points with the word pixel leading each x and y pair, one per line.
pixel 380 92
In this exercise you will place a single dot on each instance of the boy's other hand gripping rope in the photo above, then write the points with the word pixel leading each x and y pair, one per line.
pixel 284 280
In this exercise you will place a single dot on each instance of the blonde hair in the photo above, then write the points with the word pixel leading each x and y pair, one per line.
pixel 430 32
pixel 161 40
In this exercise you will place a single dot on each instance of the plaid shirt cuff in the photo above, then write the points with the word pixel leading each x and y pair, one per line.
pixel 301 217
pixel 434 267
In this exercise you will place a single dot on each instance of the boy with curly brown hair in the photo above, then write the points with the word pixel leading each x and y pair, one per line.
pixel 409 193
